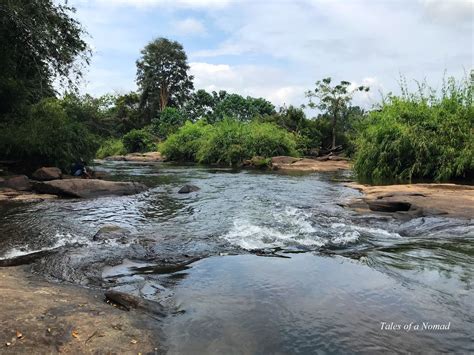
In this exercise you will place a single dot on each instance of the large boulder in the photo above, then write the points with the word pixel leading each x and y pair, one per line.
pixel 20 183
pixel 47 174
pixel 88 187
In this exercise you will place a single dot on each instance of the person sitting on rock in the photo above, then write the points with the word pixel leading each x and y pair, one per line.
pixel 79 169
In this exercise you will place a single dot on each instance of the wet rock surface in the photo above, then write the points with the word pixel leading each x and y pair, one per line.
pixel 87 188
pixel 186 189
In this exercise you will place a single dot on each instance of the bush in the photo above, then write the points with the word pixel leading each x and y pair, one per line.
pixel 419 136
pixel 48 136
pixel 228 142
pixel 138 140
pixel 109 147
pixel 184 144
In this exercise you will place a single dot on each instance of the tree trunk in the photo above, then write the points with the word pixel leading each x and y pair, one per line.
pixel 334 121
pixel 163 97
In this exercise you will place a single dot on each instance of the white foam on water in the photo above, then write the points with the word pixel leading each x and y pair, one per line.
pixel 298 231
pixel 366 230
pixel 62 239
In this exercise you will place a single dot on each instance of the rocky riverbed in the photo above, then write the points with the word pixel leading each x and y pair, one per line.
pixel 241 254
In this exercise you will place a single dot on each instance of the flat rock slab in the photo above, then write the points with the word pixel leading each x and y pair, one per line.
pixel 388 206
pixel 138 157
pixel 308 165
pixel 86 188
pixel 39 317
pixel 431 199
pixel 20 196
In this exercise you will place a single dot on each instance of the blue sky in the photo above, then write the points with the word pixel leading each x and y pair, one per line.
pixel 277 49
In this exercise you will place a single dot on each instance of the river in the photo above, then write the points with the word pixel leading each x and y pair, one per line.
pixel 282 267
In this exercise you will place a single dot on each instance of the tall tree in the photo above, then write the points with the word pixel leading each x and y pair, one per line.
pixel 162 76
pixel 333 100
pixel 40 42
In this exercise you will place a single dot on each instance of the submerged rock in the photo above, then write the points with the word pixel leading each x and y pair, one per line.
pixel 188 188
pixel 88 188
pixel 112 232
pixel 47 174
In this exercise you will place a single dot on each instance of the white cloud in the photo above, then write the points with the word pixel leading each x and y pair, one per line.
pixel 252 80
pixel 164 3
pixel 189 26
pixel 449 11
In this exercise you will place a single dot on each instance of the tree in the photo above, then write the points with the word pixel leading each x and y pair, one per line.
pixel 162 76
pixel 39 43
pixel 199 105
pixel 333 101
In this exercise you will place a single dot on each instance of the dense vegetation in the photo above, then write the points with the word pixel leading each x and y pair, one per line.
pixel 424 135
pixel 228 142
pixel 419 136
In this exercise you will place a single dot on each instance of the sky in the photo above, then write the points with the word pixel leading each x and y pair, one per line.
pixel 278 49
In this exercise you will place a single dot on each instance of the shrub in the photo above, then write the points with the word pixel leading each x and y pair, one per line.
pixel 48 136
pixel 184 144
pixel 228 142
pixel 109 147
pixel 419 136
pixel 138 140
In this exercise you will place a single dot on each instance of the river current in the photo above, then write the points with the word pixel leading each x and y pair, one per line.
pixel 282 266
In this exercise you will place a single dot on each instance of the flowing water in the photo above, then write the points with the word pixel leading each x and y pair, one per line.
pixel 282 267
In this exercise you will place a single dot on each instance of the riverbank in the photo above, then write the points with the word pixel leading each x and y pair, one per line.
pixel 424 199
pixel 41 317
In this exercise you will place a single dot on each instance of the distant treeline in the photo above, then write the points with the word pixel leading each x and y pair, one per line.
pixel 425 134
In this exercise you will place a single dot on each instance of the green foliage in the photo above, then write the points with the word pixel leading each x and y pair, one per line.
pixel 293 119
pixel 109 147
pixel 217 106
pixel 167 122
pixel 419 136
pixel 48 136
pixel 138 140
pixel 162 76
pixel 40 42
pixel 228 142
pixel 184 144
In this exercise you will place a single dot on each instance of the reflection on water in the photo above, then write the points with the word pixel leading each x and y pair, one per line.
pixel 306 304
pixel 415 270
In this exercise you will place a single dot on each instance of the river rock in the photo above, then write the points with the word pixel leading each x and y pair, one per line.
pixel 112 232
pixel 388 206
pixel 188 188
pixel 20 183
pixel 86 188
pixel 129 302
pixel 47 173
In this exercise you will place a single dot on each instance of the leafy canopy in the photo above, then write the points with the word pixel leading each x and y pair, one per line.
pixel 162 76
